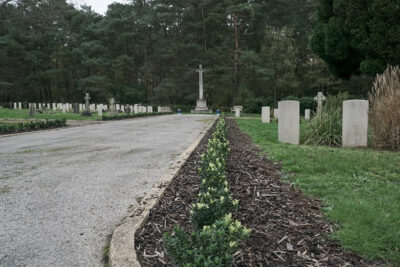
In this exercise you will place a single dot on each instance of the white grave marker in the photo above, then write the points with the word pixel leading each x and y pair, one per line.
pixel 307 114
pixel 355 123
pixel 265 115
pixel 276 113
pixel 237 112
pixel 100 110
pixel 289 122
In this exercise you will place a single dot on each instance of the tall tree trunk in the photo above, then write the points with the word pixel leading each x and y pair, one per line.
pixel 236 61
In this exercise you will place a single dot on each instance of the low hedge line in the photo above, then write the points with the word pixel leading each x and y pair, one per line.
pixel 137 115
pixel 217 235
pixel 32 126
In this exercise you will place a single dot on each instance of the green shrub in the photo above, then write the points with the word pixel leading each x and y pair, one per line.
pixel 32 125
pixel 306 102
pixel 325 127
pixel 210 246
pixel 254 104
pixel 212 205
pixel 131 116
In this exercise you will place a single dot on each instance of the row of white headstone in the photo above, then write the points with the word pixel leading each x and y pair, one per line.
pixel 100 108
pixel 354 127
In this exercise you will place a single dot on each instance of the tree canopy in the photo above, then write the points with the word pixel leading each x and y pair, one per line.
pixel 357 36
pixel 148 50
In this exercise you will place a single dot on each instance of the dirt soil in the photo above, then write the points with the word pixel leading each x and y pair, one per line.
pixel 288 228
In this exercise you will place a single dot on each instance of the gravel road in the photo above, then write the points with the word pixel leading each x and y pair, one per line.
pixel 62 192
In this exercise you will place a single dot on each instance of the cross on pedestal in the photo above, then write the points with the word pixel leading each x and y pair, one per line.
pixel 320 98
pixel 112 106
pixel 87 98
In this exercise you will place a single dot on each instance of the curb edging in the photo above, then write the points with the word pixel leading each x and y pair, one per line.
pixel 122 245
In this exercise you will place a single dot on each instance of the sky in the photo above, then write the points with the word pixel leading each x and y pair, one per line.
pixel 99 6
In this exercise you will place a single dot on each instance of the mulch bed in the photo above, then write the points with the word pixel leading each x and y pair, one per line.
pixel 288 228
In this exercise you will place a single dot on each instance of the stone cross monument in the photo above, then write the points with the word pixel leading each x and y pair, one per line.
pixel 320 98
pixel 87 98
pixel 87 106
pixel 201 106
pixel 112 106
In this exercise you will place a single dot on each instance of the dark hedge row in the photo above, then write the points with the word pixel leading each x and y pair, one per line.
pixel 32 126
pixel 125 116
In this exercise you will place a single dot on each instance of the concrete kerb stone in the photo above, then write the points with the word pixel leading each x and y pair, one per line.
pixel 122 246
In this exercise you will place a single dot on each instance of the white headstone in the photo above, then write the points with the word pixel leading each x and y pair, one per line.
pixel 54 106
pixel 149 109
pixel 100 110
pixel 237 112
pixel 158 109
pixel 15 105
pixel 355 123
pixel 40 105
pixel 48 106
pixel 136 108
pixel 276 113
pixel 19 105
pixel 265 115
pixel 307 114
pixel 117 107
pixel 289 122
pixel 64 108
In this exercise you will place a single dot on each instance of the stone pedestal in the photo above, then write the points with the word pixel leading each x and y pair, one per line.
pixel 355 123
pixel 265 115
pixel 289 122
pixel 201 107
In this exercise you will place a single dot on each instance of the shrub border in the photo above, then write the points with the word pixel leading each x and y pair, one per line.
pixel 133 116
pixel 23 127
pixel 122 246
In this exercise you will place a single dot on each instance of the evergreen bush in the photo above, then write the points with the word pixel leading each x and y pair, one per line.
pixel 211 245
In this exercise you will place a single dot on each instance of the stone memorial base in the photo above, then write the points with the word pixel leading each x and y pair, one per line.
pixel 201 107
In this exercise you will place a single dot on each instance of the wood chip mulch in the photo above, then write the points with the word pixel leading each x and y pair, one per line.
pixel 288 228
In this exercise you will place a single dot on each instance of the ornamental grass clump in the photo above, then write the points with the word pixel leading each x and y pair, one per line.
pixel 216 236
pixel 325 127
pixel 385 109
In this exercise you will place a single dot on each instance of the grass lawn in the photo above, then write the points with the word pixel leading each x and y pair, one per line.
pixel 6 113
pixel 360 188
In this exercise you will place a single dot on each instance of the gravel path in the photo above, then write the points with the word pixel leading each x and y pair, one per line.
pixel 62 192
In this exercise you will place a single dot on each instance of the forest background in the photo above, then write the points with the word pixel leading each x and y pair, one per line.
pixel 255 52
